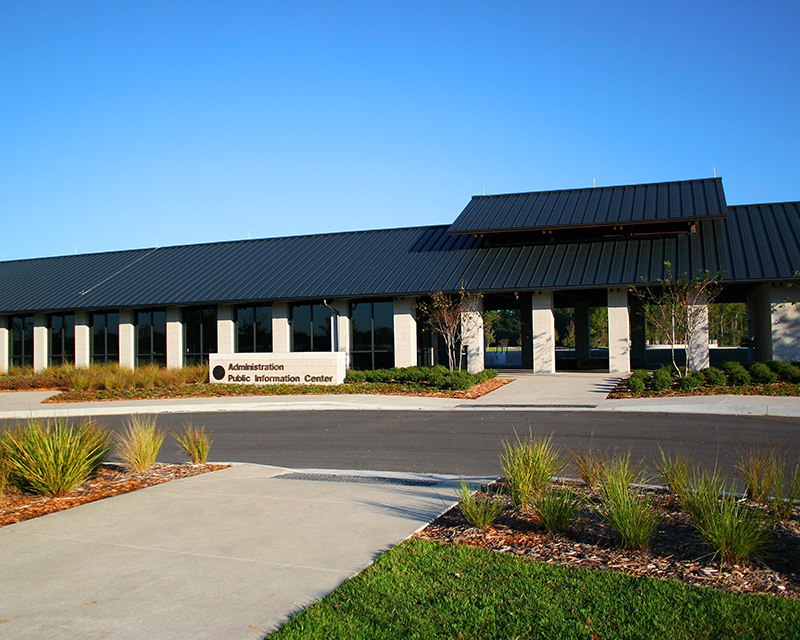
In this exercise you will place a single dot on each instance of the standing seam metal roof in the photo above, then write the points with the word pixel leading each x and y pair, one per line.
pixel 754 243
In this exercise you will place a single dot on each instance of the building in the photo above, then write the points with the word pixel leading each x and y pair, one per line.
pixel 356 291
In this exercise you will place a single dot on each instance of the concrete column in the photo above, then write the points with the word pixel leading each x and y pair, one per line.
pixel 41 342
pixel 698 356
pixel 619 342
pixel 4 346
pixel 83 339
pixel 281 328
pixel 638 333
pixel 226 329
pixel 785 319
pixel 759 314
pixel 343 323
pixel 175 346
pixel 544 332
pixel 127 339
pixel 583 343
pixel 405 332
pixel 472 335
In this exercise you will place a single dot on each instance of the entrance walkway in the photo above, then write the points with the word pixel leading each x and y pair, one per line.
pixel 567 390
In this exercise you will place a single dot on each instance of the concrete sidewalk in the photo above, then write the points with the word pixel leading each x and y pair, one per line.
pixel 228 554
pixel 560 391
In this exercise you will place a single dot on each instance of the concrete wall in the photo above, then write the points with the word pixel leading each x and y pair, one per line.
pixel 405 332
pixel 83 339
pixel 341 324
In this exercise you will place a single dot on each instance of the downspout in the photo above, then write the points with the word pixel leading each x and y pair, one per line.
pixel 335 324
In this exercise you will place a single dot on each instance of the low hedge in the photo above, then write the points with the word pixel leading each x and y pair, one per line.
pixel 437 377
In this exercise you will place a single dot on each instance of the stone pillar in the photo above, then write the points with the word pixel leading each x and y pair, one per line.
pixel 127 339
pixel 472 337
pixel 83 339
pixel 785 320
pixel 226 329
pixel 4 344
pixel 281 328
pixel 638 333
pixel 405 332
pixel 175 346
pixel 342 321
pixel 41 342
pixel 583 343
pixel 698 356
pixel 544 332
pixel 619 342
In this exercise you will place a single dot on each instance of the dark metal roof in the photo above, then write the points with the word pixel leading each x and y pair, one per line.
pixel 754 243
pixel 600 206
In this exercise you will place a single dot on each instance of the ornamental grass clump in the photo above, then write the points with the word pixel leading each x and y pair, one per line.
pixel 588 462
pixel 628 512
pixel 757 466
pixel 53 457
pixel 677 471
pixel 139 445
pixel 195 442
pixel 556 508
pixel 480 508
pixel 735 531
pixel 528 466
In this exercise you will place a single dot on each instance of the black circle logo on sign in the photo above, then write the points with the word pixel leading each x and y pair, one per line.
pixel 219 372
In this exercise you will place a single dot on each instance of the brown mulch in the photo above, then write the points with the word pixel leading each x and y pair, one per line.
pixel 112 479
pixel 676 551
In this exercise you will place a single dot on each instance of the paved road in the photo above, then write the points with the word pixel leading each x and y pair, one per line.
pixel 467 443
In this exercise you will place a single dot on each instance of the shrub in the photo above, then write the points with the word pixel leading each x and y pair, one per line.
pixel 528 467
pixel 628 512
pixel 737 374
pixel 139 445
pixel 786 372
pixel 785 490
pixel 479 508
pixel 762 374
pixel 733 530
pixel 54 457
pixel 714 377
pixel 639 380
pixel 662 379
pixel 691 382
pixel 556 508
pixel 194 442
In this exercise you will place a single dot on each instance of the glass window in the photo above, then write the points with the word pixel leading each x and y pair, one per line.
pixel 151 337
pixel 62 338
pixel 21 341
pixel 311 327
pixel 105 337
pixel 254 329
pixel 372 325
pixel 199 334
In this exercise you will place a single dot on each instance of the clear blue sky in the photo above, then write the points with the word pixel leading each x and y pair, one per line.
pixel 128 124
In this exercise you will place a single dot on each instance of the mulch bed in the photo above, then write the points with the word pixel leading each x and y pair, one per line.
pixel 676 551
pixel 112 479
pixel 204 390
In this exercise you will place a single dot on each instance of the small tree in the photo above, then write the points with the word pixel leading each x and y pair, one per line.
pixel 678 308
pixel 443 314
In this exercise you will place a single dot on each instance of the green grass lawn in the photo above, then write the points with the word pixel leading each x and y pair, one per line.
pixel 424 589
